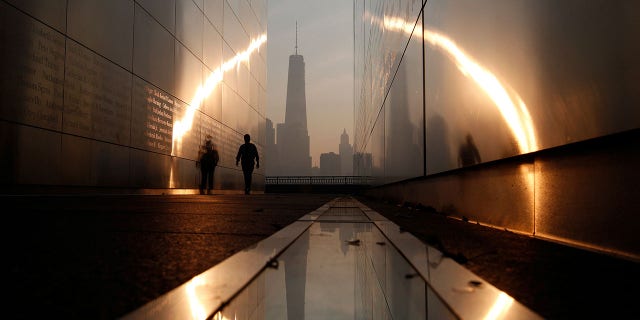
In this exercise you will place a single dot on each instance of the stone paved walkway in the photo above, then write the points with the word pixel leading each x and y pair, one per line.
pixel 101 256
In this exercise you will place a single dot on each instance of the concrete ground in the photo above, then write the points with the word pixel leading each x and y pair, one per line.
pixel 102 256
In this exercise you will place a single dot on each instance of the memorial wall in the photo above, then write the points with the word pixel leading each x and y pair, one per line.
pixel 474 107
pixel 123 93
pixel 515 76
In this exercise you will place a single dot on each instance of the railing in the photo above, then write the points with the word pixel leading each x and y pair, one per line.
pixel 319 180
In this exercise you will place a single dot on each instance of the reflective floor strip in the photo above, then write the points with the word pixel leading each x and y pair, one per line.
pixel 341 261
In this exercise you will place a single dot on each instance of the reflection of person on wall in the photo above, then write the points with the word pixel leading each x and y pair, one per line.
pixel 208 162
pixel 468 153
pixel 247 154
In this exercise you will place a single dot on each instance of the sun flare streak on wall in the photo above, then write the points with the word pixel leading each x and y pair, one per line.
pixel 511 107
pixel 183 125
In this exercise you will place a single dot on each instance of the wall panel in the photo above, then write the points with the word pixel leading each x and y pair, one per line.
pixel 153 52
pixel 32 60
pixel 189 26
pixel 97 97
pixel 51 12
pixel 101 32
pixel 163 11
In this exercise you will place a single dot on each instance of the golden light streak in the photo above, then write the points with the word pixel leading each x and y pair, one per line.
pixel 220 316
pixel 513 110
pixel 182 126
pixel 502 304
pixel 197 310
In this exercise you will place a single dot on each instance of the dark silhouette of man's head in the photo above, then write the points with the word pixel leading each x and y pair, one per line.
pixel 247 137
pixel 469 139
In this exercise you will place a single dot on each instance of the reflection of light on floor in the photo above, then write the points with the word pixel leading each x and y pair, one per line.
pixel 197 310
pixel 219 316
pixel 513 109
pixel 502 304
pixel 182 126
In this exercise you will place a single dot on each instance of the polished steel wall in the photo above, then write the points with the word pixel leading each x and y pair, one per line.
pixel 123 93
pixel 515 76
pixel 466 84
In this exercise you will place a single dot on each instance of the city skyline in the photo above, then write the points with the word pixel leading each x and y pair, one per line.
pixel 345 156
pixel 325 39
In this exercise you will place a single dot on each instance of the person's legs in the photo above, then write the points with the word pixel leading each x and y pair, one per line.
pixel 211 174
pixel 203 179
pixel 209 181
pixel 247 180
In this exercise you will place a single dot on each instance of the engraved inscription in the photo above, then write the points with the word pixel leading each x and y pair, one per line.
pixel 32 72
pixel 153 111
pixel 97 97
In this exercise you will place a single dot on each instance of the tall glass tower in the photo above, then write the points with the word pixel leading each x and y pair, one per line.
pixel 293 137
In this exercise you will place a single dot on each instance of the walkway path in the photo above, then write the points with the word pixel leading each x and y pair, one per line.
pixel 102 256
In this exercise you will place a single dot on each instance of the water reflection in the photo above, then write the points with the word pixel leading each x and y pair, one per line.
pixel 334 271
pixel 295 265
pixel 404 138
pixel 513 110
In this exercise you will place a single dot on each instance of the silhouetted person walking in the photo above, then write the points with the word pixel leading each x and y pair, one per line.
pixel 247 154
pixel 208 162
pixel 468 153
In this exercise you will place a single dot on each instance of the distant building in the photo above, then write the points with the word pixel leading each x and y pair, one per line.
pixel 346 155
pixel 271 160
pixel 293 137
pixel 329 164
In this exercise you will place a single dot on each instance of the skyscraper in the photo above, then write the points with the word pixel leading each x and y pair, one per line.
pixel 329 164
pixel 346 155
pixel 293 137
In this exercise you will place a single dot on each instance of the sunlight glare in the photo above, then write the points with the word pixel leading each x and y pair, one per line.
pixel 182 126
pixel 513 110
pixel 502 304
pixel 197 310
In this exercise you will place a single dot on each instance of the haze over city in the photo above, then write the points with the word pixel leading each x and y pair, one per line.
pixel 325 39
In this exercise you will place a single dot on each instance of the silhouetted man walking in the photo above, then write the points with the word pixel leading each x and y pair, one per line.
pixel 247 154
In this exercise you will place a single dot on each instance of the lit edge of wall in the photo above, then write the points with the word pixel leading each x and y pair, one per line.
pixel 568 216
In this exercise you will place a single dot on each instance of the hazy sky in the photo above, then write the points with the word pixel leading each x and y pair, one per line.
pixel 325 39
